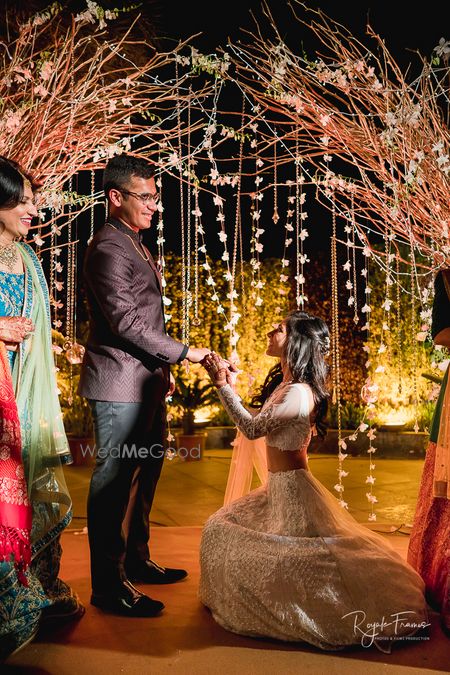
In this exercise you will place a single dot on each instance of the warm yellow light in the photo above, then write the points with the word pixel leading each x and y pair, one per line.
pixel 393 418
pixel 202 415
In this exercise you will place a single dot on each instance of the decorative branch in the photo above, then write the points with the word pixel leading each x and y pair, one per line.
pixel 354 109
pixel 70 97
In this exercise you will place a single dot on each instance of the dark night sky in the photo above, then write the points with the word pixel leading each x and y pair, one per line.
pixel 403 25
pixel 404 30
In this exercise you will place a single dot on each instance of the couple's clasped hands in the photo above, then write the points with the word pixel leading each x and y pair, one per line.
pixel 219 370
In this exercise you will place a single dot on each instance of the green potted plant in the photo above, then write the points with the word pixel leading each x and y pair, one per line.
pixel 190 394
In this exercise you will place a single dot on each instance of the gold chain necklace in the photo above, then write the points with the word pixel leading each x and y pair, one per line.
pixel 143 254
pixel 9 256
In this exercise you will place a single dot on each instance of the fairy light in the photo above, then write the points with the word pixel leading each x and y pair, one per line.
pixel 196 321
pixel 348 229
pixel 170 453
pixel 300 232
pixel 355 282
pixel 70 272
pixel 184 289
pixel 237 239
pixel 256 247
pixel 415 345
pixel 399 331
pixel 160 241
pixel 188 229
pixel 55 284
pixel 342 446
pixel 275 216
pixel 92 209
pixel 289 228
pixel 371 392
pixel 386 324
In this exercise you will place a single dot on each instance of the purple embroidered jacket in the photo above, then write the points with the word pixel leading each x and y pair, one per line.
pixel 128 349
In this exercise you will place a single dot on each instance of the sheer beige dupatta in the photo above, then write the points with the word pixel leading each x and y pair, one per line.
pixel 246 455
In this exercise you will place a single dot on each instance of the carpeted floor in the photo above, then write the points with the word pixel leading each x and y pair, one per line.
pixel 185 640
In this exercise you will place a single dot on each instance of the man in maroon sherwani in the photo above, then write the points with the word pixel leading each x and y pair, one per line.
pixel 126 377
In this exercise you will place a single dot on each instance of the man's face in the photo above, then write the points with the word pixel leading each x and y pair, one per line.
pixel 130 208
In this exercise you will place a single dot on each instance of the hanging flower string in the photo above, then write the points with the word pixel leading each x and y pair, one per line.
pixel 256 247
pixel 289 228
pixel 300 234
pixel 336 396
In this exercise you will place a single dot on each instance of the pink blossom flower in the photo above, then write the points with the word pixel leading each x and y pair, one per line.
pixel 40 90
pixel 12 122
pixel 46 70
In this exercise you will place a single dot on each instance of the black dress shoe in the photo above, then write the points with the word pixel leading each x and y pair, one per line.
pixel 148 572
pixel 128 601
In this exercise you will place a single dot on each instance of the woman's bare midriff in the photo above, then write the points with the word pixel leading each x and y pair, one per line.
pixel 278 460
pixel 289 460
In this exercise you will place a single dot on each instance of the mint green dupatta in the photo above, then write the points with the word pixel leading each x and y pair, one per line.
pixel 45 448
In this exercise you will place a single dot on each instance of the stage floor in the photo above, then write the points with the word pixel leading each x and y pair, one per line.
pixel 188 492
pixel 185 639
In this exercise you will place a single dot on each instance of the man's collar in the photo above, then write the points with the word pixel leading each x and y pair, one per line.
pixel 137 236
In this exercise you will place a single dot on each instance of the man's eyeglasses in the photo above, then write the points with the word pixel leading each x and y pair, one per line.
pixel 144 197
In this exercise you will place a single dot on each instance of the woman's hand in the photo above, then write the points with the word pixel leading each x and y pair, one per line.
pixel 217 368
pixel 14 329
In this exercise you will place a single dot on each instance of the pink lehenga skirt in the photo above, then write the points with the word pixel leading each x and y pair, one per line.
pixel 429 545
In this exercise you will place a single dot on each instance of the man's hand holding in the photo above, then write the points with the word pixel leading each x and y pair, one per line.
pixel 197 354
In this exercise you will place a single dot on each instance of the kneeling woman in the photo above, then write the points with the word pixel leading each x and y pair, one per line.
pixel 286 561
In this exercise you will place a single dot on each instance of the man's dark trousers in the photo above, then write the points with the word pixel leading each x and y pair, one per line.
pixel 122 488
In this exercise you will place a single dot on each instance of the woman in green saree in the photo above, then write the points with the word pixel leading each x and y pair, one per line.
pixel 35 506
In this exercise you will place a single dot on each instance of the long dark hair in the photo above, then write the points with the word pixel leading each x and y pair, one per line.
pixel 307 344
pixel 12 183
